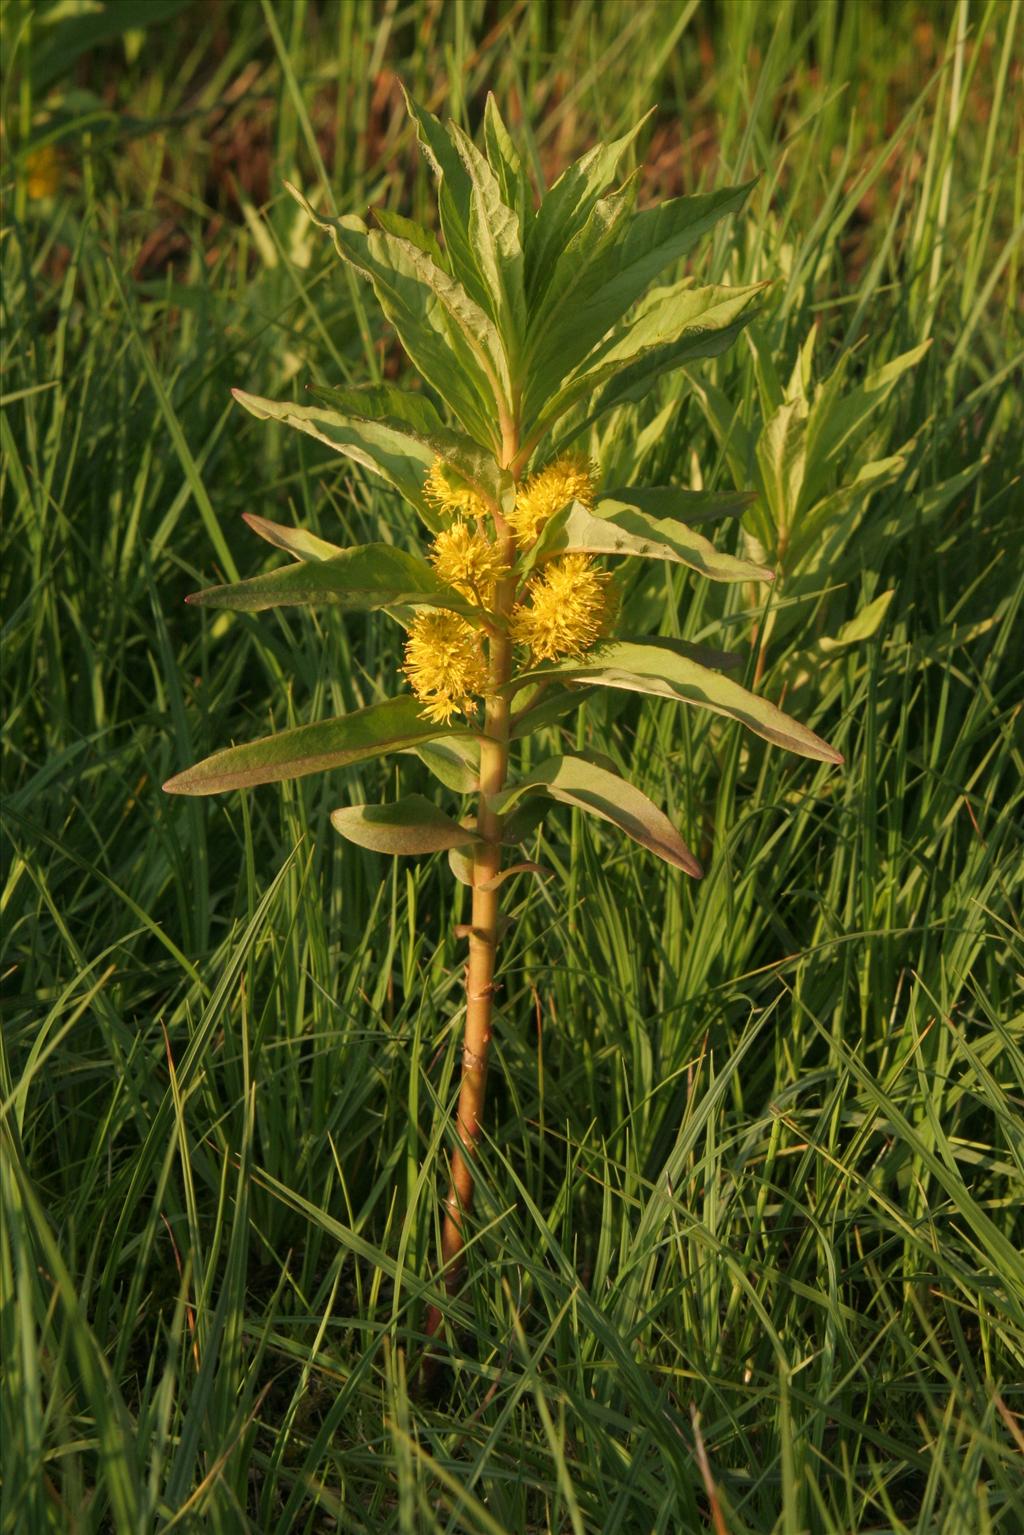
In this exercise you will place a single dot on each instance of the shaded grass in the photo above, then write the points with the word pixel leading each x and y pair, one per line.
pixel 749 1225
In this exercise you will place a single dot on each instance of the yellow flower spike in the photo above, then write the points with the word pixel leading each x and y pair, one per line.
pixel 450 495
pixel 568 611
pixel 466 559
pixel 569 478
pixel 445 665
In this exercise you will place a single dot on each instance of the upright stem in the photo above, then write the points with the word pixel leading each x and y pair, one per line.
pixel 483 932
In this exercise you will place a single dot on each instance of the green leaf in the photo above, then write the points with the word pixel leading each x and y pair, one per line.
pixel 620 527
pixel 610 276
pixel 401 408
pixel 810 530
pixel 604 794
pixel 461 865
pixel 782 460
pixel 449 337
pixel 454 198
pixel 396 455
pixel 495 237
pixel 690 505
pixel 650 666
pixel 672 327
pixel 361 579
pixel 862 627
pixel 297 542
pixel 410 825
pixel 506 164
pixel 566 207
pixel 547 706
pixel 414 417
pixel 455 763
pixel 356 737
pixel 417 234
pixel 554 346
pixel 837 418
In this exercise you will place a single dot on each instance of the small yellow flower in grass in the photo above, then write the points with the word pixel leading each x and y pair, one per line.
pixel 42 171
pixel 450 495
pixel 569 478
pixel 466 559
pixel 568 611
pixel 444 662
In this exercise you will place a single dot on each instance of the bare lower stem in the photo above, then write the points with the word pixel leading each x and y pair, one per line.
pixel 483 942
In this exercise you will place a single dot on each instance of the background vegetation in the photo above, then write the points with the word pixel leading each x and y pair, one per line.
pixel 747 1245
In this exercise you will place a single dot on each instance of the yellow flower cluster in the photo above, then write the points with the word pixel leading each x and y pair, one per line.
pixel 444 662
pixel 568 611
pixel 569 478
pixel 466 559
pixel 450 495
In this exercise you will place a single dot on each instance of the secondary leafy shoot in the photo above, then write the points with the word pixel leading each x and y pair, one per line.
pixel 530 318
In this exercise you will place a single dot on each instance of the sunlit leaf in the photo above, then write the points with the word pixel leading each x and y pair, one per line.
pixel 410 825
pixel 619 527
pixel 672 327
pixel 449 337
pixel 356 737
pixel 399 457
pixel 648 666
pixel 297 542
pixel 602 276
pixel 605 794
pixel 566 207
pixel 360 579
pixel 414 417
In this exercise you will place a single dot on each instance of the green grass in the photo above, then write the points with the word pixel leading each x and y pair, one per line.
pixel 747 1249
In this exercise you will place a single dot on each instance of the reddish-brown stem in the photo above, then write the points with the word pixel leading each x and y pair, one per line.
pixel 483 937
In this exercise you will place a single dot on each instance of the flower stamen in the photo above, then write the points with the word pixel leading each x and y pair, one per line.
pixel 568 478
pixel 568 609
pixel 445 664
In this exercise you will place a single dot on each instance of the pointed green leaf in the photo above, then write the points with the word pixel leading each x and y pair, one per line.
pixel 401 408
pixel 618 527
pixel 494 233
pixel 555 346
pixel 297 542
pixel 506 164
pixel 454 197
pixel 455 763
pixel 835 421
pixel 397 456
pixel 449 337
pixel 782 460
pixel 417 234
pixel 410 825
pixel 415 418
pixel 566 206
pixel 361 579
pixel 689 506
pixel 356 737
pixel 607 282
pixel 605 794
pixel 671 328
pixel 810 528
pixel 650 666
